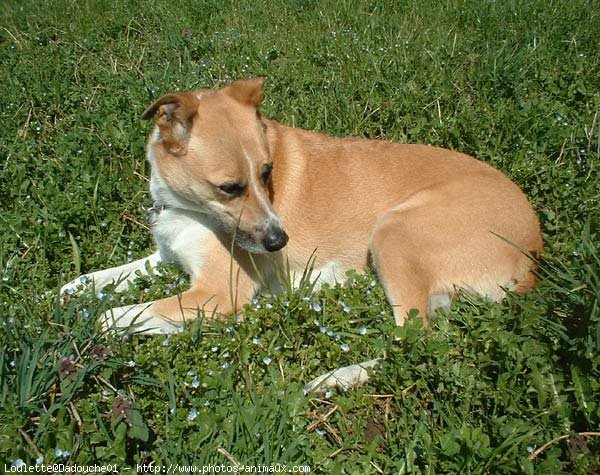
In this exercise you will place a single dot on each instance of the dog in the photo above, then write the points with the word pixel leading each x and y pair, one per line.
pixel 239 197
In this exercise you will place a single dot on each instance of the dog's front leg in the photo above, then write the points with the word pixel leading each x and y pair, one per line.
pixel 209 298
pixel 120 275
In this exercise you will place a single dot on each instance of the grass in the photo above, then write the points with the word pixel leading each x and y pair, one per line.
pixel 514 83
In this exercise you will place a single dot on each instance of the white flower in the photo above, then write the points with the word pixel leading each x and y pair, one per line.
pixel 226 365
pixel 195 383
pixel 267 360
pixel 214 349
pixel 131 363
pixel 345 348
pixel 39 460
pixel 362 330
pixel 256 340
pixel 345 307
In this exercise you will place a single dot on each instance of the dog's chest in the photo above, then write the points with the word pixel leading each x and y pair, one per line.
pixel 182 238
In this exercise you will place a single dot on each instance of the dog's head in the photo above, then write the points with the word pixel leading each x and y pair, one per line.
pixel 209 154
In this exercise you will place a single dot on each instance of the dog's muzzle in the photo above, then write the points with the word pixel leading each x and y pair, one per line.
pixel 275 239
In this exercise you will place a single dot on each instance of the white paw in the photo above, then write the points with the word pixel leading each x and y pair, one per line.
pixel 138 319
pixel 343 378
pixel 75 286
pixel 97 282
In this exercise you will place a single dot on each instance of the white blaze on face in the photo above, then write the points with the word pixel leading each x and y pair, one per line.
pixel 263 201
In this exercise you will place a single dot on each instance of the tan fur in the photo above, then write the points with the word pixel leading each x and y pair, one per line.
pixel 429 220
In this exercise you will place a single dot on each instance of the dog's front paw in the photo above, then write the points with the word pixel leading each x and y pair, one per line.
pixel 75 286
pixel 343 378
pixel 139 319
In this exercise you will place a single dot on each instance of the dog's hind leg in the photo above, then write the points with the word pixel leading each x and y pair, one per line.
pixel 398 261
pixel 121 275
pixel 343 378
pixel 407 284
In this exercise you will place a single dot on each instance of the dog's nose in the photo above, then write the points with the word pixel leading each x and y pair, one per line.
pixel 275 239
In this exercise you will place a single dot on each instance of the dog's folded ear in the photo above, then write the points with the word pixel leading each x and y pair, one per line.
pixel 174 114
pixel 247 91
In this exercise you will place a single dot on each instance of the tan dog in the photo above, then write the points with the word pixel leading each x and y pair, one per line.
pixel 231 186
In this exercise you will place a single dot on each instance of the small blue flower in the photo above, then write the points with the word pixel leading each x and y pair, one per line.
pixel 316 307
pixel 268 305
pixel 267 360
pixel 226 365
pixel 214 349
pixel 345 347
pixel 362 330
pixel 256 340
pixel 18 463
pixel 61 453
pixel 195 383
pixel 131 363
pixel 39 460
pixel 192 415
pixel 328 394
pixel 329 332
pixel 323 329
pixel 345 307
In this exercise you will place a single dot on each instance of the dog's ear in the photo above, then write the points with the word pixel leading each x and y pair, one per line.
pixel 247 91
pixel 174 114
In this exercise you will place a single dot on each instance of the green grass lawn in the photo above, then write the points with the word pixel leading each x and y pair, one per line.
pixel 492 388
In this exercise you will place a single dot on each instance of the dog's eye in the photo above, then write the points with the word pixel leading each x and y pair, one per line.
pixel 266 171
pixel 233 190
